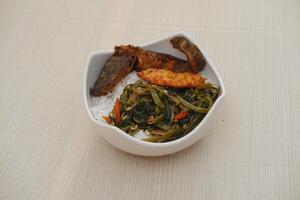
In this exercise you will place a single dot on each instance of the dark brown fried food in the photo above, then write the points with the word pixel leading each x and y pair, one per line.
pixel 127 57
pixel 114 70
pixel 192 52
pixel 149 59
pixel 168 78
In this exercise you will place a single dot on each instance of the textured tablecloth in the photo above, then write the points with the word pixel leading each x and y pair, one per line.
pixel 49 148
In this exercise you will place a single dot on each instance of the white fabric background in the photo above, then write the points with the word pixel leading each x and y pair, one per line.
pixel 49 149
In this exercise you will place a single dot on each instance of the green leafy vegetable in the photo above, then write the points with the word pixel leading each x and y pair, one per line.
pixel 165 114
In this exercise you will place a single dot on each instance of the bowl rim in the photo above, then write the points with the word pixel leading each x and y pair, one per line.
pixel 146 143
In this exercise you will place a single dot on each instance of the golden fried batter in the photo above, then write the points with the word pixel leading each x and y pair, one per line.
pixel 168 78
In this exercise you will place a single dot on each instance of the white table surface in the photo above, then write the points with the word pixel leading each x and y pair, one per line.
pixel 49 148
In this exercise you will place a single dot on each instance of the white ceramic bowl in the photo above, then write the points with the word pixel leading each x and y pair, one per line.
pixel 127 143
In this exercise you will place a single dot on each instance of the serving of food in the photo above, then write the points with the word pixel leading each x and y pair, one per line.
pixel 154 96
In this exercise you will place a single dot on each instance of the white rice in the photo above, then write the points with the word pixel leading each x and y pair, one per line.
pixel 104 104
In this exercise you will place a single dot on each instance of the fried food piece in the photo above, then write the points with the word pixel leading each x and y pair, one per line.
pixel 168 78
pixel 191 51
pixel 127 57
pixel 150 59
pixel 114 70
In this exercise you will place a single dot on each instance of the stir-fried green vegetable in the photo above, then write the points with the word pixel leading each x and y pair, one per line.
pixel 166 114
